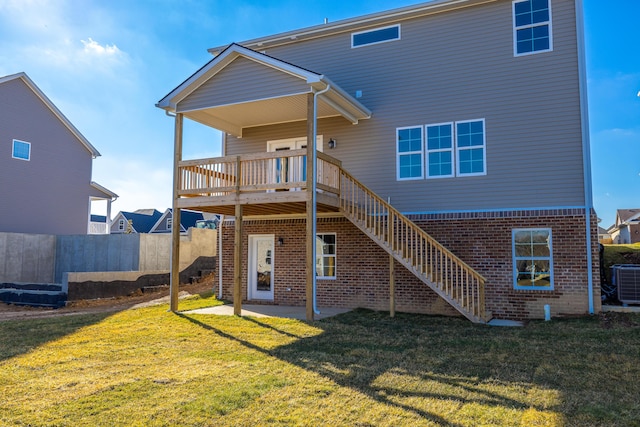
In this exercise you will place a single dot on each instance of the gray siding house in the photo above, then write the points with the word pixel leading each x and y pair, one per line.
pixel 45 165
pixel 432 158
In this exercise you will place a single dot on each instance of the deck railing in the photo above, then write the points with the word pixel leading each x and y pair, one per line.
pixel 444 272
pixel 258 172
pixel 432 263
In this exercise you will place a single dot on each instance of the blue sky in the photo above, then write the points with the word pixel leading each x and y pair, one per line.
pixel 106 63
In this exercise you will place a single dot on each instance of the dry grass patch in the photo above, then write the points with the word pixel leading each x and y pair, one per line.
pixel 149 367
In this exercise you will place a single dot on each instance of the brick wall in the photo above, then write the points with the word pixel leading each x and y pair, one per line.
pixel 482 240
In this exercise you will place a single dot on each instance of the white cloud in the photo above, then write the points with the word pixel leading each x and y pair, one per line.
pixel 92 47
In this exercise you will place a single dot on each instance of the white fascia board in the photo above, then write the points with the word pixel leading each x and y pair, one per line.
pixel 218 63
pixel 36 90
pixel 104 190
pixel 159 221
pixel 345 103
pixel 354 24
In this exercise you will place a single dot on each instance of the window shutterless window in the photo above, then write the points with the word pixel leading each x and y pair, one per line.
pixel 440 150
pixel 169 223
pixel 121 225
pixel 21 150
pixel 375 36
pixel 470 148
pixel 326 255
pixel 532 27
pixel 532 259
pixel 409 153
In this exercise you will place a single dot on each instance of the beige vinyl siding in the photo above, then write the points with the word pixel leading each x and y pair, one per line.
pixel 455 66
pixel 240 81
pixel 50 193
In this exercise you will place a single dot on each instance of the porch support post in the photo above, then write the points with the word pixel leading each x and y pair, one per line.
pixel 311 199
pixel 237 263
pixel 174 279
pixel 108 221
pixel 392 287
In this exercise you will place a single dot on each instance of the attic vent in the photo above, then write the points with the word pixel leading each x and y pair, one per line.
pixel 379 35
pixel 627 279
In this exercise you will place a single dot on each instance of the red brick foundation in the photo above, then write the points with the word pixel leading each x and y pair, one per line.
pixel 482 240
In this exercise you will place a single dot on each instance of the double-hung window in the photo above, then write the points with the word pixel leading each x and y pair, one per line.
pixel 532 259
pixel 531 27
pixel 21 150
pixel 456 149
pixel 470 148
pixel 440 150
pixel 326 255
pixel 409 153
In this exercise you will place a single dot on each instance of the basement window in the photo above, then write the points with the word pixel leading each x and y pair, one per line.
pixel 379 35
pixel 532 259
pixel 326 255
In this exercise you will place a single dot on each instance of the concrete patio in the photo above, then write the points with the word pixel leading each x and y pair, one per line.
pixel 255 310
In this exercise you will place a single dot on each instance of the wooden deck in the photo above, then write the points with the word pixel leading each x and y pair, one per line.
pixel 264 183
pixel 276 184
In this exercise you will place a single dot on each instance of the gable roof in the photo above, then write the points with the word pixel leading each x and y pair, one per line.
pixel 286 104
pixel 47 102
pixel 141 222
pixel 355 24
pixel 627 215
pixel 188 219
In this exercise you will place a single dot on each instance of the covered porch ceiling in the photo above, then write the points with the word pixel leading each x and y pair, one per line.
pixel 241 88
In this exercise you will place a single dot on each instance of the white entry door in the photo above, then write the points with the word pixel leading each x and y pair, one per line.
pixel 260 277
pixel 292 169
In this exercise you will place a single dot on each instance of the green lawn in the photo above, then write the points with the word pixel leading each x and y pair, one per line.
pixel 149 367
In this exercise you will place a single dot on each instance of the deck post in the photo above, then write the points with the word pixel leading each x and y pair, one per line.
pixel 237 263
pixel 392 286
pixel 174 276
pixel 310 241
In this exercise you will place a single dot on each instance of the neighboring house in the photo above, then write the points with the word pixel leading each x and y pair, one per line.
pixel 433 158
pixel 604 236
pixel 188 219
pixel 626 230
pixel 140 221
pixel 45 165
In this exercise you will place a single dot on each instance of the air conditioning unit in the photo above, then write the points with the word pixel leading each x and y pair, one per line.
pixel 627 279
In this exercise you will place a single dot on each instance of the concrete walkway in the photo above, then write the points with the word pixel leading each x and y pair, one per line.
pixel 269 311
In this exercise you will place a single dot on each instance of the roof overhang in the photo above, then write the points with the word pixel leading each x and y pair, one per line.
pixel 285 104
pixel 36 90
pixel 357 23
pixel 102 192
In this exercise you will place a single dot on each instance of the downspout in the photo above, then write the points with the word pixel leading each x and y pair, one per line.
pixel 586 153
pixel 220 256
pixel 313 187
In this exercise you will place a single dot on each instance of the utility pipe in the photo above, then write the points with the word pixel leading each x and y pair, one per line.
pixel 586 154
pixel 220 256
pixel 314 180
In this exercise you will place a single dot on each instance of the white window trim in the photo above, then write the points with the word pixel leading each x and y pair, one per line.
pixel 13 156
pixel 458 149
pixel 169 223
pixel 121 223
pixel 335 258
pixel 515 30
pixel 398 154
pixel 376 29
pixel 514 273
pixel 452 150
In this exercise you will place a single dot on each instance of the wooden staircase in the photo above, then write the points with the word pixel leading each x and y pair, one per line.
pixel 446 274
